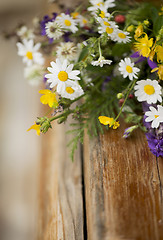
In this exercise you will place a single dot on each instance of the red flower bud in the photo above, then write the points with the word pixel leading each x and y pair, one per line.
pixel 121 101
pixel 131 96
pixel 120 18
pixel 86 28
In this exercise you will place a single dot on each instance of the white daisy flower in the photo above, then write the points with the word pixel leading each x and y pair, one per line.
pixel 109 27
pixel 82 21
pixel 67 22
pixel 101 61
pixel 155 116
pixel 53 30
pixel 127 69
pixel 69 51
pixel 61 74
pixel 71 90
pixel 104 22
pixel 29 52
pixel 101 4
pixel 148 90
pixel 34 74
pixel 121 36
pixel 24 32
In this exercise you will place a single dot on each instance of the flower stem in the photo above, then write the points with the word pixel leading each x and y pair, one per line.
pixel 128 92
pixel 99 48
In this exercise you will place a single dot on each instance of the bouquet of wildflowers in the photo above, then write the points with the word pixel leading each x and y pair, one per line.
pixel 108 58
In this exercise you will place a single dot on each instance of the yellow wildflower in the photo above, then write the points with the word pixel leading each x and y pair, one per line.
pixel 160 71
pixel 151 55
pixel 48 98
pixel 138 31
pixel 159 51
pixel 116 125
pixel 130 28
pixel 35 127
pixel 146 22
pixel 143 45
pixel 106 120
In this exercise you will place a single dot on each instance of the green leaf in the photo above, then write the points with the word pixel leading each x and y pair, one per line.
pixel 157 25
pixel 119 49
pixel 83 54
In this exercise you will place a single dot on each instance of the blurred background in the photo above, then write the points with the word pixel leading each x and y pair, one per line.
pixel 20 150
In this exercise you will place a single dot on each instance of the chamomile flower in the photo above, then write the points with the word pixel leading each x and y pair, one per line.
pixel 121 36
pixel 101 61
pixel 82 21
pixel 155 116
pixel 148 90
pixel 71 90
pixel 109 27
pixel 101 4
pixel 25 33
pixel 68 50
pixel 127 69
pixel 61 74
pixel 102 14
pixel 104 23
pixel 67 22
pixel 34 74
pixel 53 30
pixel 29 52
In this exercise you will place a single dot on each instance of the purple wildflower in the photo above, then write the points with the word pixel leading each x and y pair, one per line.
pixel 154 136
pixel 105 82
pixel 129 130
pixel 66 37
pixel 151 64
pixel 45 20
pixel 155 141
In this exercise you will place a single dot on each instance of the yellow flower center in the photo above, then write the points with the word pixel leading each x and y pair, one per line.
pixel 100 3
pixel 102 14
pixel 75 15
pixel 67 22
pixel 63 76
pixel 106 23
pixel 29 55
pixel 85 21
pixel 156 116
pixel 109 30
pixel 70 90
pixel 148 89
pixel 122 35
pixel 129 69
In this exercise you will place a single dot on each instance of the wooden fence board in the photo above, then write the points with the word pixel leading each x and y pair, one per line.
pixel 122 188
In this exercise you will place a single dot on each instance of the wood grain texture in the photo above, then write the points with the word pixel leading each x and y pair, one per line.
pixel 60 200
pixel 122 188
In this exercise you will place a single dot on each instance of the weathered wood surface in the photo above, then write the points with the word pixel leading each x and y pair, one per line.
pixel 60 200
pixel 122 188
pixel 122 192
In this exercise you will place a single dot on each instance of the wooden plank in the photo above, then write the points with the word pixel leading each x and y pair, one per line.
pixel 60 200
pixel 122 188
